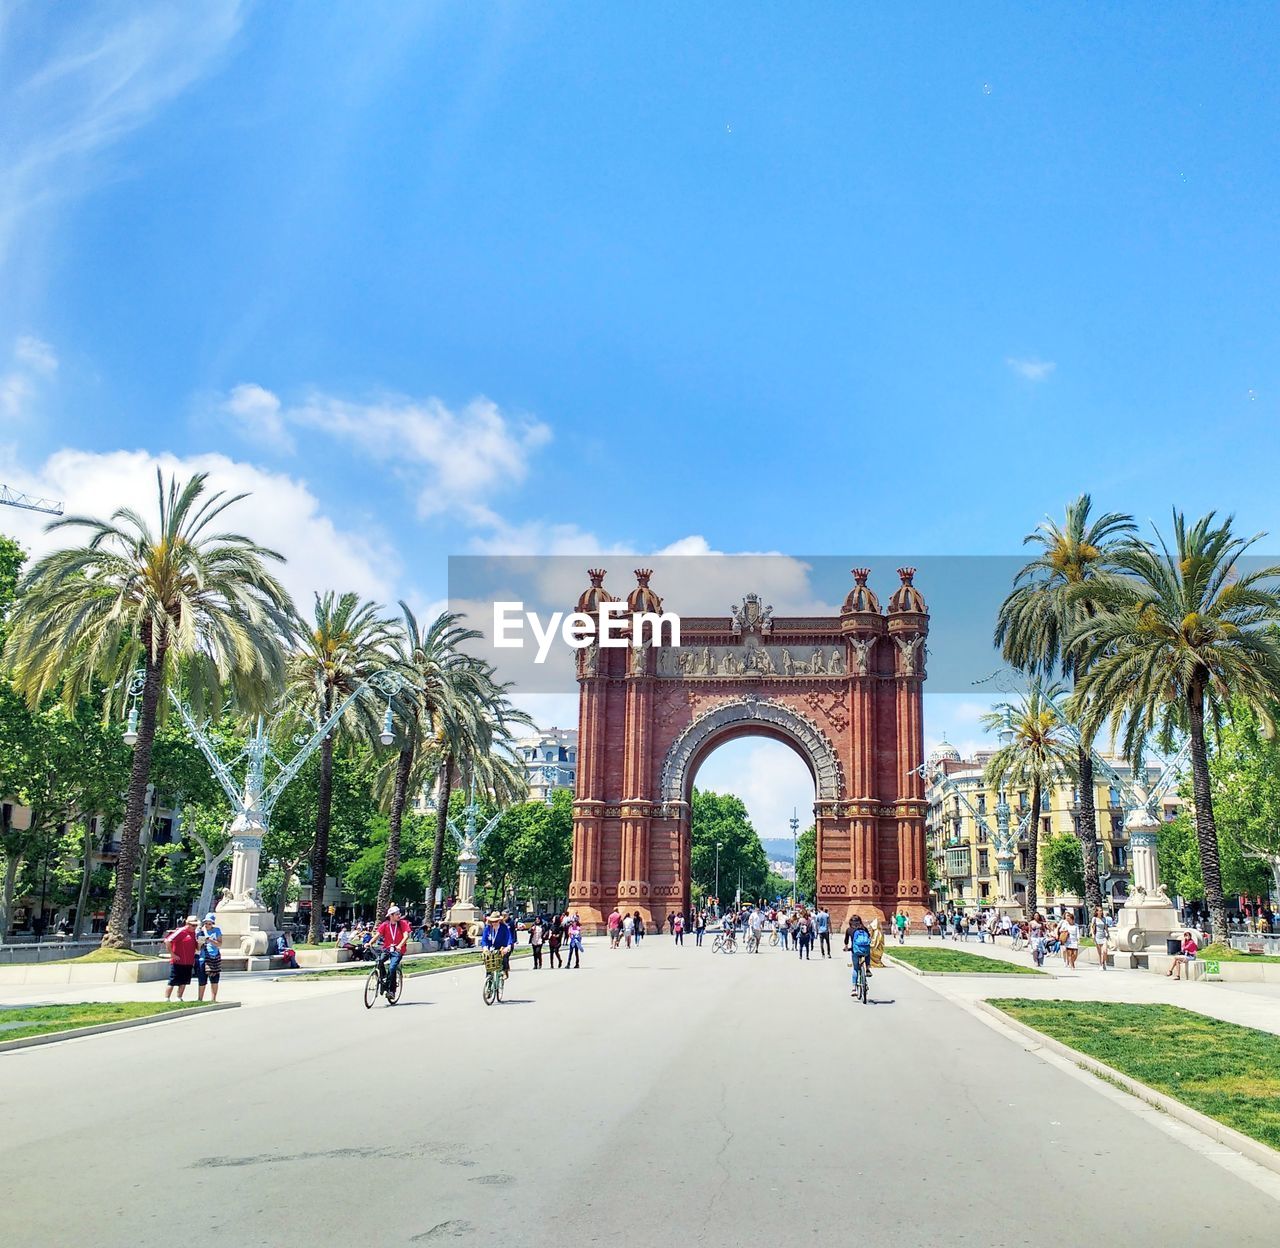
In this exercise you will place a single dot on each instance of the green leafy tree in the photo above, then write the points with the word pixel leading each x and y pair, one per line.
pixel 1036 752
pixel 1178 633
pixel 722 818
pixel 1038 619
pixel 1063 865
pixel 807 863
pixel 181 594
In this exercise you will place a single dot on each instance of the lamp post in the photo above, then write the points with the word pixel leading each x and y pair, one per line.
pixel 719 845
pixel 795 856
pixel 1004 838
pixel 242 914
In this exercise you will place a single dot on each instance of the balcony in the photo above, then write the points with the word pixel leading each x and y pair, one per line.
pixel 958 863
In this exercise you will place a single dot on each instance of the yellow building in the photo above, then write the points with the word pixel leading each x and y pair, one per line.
pixel 962 849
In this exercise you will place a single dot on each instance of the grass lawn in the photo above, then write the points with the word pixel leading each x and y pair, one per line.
pixel 415 964
pixel 102 955
pixel 956 961
pixel 40 1020
pixel 1229 1072
pixel 1225 953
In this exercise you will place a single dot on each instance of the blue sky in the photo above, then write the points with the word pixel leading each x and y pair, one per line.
pixel 457 278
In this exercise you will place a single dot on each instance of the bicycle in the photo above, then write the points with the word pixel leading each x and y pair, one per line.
pixel 860 979
pixel 1019 941
pixel 773 938
pixel 380 984
pixel 493 976
pixel 725 942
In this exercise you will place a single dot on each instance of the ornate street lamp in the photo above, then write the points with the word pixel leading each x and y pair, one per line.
pixel 243 914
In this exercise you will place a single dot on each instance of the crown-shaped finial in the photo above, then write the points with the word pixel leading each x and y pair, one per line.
pixel 860 575
pixel 906 574
pixel 596 575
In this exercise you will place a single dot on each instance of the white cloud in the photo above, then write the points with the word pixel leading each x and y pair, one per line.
pixel 33 362
pixel 281 513
pixel 104 72
pixel 1031 369
pixel 255 413
pixel 454 460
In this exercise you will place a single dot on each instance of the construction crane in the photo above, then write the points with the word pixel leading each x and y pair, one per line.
pixel 12 498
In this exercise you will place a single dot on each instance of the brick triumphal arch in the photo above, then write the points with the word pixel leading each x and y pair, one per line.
pixel 844 691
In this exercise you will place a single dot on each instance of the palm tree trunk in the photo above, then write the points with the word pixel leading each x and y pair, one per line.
pixel 118 920
pixel 1206 828
pixel 320 850
pixel 1088 832
pixel 1033 852
pixel 396 816
pixel 442 820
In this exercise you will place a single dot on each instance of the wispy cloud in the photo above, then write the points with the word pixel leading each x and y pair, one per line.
pixel 454 459
pixel 32 362
pixel 1031 369
pixel 101 71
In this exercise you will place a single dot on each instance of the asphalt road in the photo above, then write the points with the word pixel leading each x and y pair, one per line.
pixel 660 1096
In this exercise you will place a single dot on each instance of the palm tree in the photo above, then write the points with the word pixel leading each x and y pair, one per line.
pixel 1042 612
pixel 1175 635
pixel 1037 753
pixel 432 666
pixel 346 642
pixel 474 740
pixel 177 595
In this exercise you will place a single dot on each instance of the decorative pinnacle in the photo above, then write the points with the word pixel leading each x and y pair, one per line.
pixel 643 575
pixel 860 575
pixel 597 575
pixel 906 574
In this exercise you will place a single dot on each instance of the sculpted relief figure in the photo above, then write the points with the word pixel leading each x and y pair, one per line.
pixel 816 666
pixel 837 663
pixel 911 648
pixel 788 666
pixel 862 654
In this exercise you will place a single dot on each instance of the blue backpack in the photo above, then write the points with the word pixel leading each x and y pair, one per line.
pixel 861 943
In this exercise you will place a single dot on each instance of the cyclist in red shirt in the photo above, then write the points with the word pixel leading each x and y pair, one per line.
pixel 393 932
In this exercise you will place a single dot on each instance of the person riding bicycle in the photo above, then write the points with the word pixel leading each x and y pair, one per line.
pixel 393 932
pixel 859 946
pixel 498 935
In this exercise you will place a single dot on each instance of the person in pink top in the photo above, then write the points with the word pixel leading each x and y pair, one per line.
pixel 1185 958
pixel 183 945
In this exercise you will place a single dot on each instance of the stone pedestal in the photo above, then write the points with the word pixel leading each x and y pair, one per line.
pixel 1148 917
pixel 464 910
pixel 248 926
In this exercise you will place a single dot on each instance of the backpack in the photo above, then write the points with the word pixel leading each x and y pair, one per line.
pixel 861 943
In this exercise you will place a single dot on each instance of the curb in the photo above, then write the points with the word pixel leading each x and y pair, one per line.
pixel 1211 1127
pixel 73 1033
pixel 1004 977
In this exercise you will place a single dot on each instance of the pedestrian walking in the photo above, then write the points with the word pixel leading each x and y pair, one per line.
pixel 536 936
pixel 639 926
pixel 555 935
pixel 900 924
pixel 628 930
pixel 1098 924
pixel 928 924
pixel 700 926
pixel 574 957
pixel 677 928
pixel 183 944
pixel 823 925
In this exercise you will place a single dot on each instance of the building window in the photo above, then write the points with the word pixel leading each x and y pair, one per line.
pixel 982 803
pixel 984 890
pixel 983 866
pixel 1120 855
pixel 1022 860
pixel 1113 795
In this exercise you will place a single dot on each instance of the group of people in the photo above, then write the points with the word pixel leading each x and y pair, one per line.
pixel 195 948
pixel 559 932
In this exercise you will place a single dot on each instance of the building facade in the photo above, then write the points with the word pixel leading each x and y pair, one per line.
pixel 550 761
pixel 961 851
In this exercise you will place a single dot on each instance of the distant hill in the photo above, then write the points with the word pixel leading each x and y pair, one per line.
pixel 778 849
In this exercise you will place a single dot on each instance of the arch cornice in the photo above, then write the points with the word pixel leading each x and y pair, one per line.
pixel 745 712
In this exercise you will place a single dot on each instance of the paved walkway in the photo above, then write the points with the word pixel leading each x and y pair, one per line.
pixel 658 1096
pixel 1251 1005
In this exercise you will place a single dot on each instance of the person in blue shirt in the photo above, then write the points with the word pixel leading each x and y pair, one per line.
pixel 858 942
pixel 823 923
pixel 209 959
pixel 498 934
